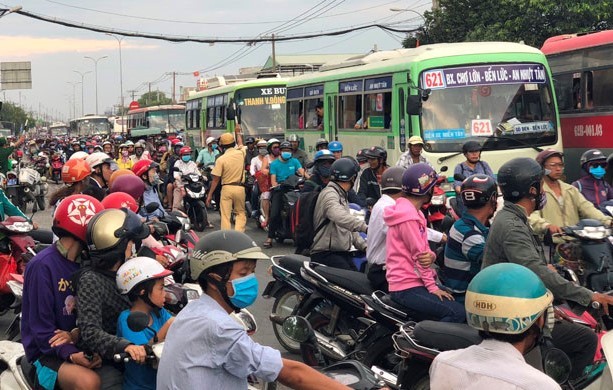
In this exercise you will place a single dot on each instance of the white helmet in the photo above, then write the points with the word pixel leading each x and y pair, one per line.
pixel 138 270
pixel 209 140
pixel 129 143
pixel 98 158
pixel 273 141
pixel 262 143
pixel 80 155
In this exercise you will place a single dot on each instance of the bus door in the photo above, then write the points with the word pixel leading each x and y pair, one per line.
pixel 330 128
pixel 404 120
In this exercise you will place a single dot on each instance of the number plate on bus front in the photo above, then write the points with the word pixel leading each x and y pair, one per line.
pixel 481 127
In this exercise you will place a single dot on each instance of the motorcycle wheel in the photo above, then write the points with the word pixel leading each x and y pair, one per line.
pixel 197 218
pixel 41 202
pixel 383 355
pixel 416 376
pixel 285 302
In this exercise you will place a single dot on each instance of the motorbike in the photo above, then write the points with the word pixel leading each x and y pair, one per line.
pixel 290 191
pixel 195 195
pixel 41 163
pixel 56 168
pixel 35 188
pixel 13 332
pixel 173 228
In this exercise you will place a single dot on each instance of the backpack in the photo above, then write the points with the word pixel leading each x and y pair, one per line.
pixel 303 230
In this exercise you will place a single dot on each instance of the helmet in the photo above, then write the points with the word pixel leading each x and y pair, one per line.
pixel 517 176
pixel 344 169
pixel 20 153
pixel 471 146
pixel 335 146
pixel 544 155
pixel 477 190
pixel 262 143
pixel 361 155
pixel 140 144
pixel 418 179
pixel 185 150
pixel 415 140
pixel 391 179
pixel 117 200
pixel 506 298
pixel 592 155
pixel 220 247
pixel 129 143
pixel 78 156
pixel 107 143
pixel 321 142
pixel 138 270
pixel 250 140
pixel 376 152
pixel 209 140
pixel 271 142
pixel 32 142
pixel 73 215
pixel 98 158
pixel 285 145
pixel 75 142
pixel 130 184
pixel 118 173
pixel 175 141
pixel 177 145
pixel 110 227
pixel 292 138
pixel 74 171
pixel 142 166
pixel 226 139
pixel 324 155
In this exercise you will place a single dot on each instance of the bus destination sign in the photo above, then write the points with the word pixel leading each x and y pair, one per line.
pixel 484 75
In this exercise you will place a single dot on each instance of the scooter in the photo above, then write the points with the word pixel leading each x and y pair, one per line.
pixel 56 167
pixel 195 194
pixel 290 191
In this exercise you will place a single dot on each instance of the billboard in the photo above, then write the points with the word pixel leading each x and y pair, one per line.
pixel 15 75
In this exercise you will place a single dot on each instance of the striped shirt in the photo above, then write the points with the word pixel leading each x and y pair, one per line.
pixel 463 252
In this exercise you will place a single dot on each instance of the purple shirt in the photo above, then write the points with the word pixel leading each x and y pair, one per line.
pixel 596 191
pixel 49 303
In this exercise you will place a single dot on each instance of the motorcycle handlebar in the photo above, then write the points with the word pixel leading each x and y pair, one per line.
pixel 125 358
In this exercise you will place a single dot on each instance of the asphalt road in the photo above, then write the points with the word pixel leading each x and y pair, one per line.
pixel 262 307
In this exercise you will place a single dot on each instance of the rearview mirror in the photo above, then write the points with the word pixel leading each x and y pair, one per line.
pixel 297 328
pixel 459 177
pixel 231 111
pixel 557 365
pixel 151 207
pixel 138 321
pixel 414 105
pixel 444 168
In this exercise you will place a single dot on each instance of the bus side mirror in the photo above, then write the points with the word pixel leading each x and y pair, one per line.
pixel 231 111
pixel 414 105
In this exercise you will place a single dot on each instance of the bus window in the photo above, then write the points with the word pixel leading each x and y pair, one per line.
pixel 210 114
pixel 568 97
pixel 599 86
pixel 350 112
pixel 310 114
pixel 220 117
pixel 378 110
pixel 295 114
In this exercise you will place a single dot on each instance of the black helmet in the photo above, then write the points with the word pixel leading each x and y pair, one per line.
pixel 361 155
pixel 517 176
pixel 377 152
pixel 285 145
pixel 321 142
pixel 344 169
pixel 471 146
pixel 477 190
pixel 249 140
pixel 392 179
pixel 592 155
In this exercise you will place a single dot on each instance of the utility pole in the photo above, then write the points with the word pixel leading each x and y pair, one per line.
pixel 174 79
pixel 133 93
pixel 274 56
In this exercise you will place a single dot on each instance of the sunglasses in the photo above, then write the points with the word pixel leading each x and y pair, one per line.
pixel 599 164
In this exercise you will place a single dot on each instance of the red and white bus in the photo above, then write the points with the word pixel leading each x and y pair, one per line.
pixel 582 68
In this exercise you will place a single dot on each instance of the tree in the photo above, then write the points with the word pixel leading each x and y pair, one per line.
pixel 155 98
pixel 13 116
pixel 530 21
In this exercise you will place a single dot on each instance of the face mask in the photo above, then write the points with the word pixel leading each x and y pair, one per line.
pixel 598 172
pixel 154 179
pixel 263 151
pixel 139 152
pixel 286 155
pixel 541 201
pixel 214 146
pixel 245 291
pixel 324 171
pixel 276 152
pixel 125 153
pixel 186 158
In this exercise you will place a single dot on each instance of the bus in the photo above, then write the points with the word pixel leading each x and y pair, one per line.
pixel 582 67
pixel 499 94
pixel 155 120
pixel 58 129
pixel 260 103
pixel 90 125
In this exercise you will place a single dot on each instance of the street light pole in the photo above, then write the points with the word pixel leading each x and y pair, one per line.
pixel 96 75
pixel 74 99
pixel 119 39
pixel 408 10
pixel 82 89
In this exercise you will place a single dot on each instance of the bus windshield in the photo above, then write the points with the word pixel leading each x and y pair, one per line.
pixel 167 119
pixel 510 104
pixel 93 126
pixel 262 110
pixel 59 131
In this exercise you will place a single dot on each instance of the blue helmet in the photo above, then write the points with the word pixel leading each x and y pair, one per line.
pixel 322 155
pixel 335 146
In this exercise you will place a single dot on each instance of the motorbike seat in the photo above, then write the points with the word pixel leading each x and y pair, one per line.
pixel 293 263
pixel 353 281
pixel 446 336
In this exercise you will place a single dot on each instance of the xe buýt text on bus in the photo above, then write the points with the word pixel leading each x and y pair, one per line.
pixel 155 120
pixel 582 67
pixel 90 125
pixel 260 108
pixel 499 94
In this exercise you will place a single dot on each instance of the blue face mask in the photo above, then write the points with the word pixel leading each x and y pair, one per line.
pixel 245 291
pixel 214 146
pixel 598 172
pixel 286 155
pixel 186 158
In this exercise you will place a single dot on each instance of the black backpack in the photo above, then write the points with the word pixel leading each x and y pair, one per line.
pixel 303 228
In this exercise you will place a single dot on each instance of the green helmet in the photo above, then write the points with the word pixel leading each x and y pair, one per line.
pixel 506 298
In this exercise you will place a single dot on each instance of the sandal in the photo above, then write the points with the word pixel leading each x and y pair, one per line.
pixel 210 226
pixel 267 244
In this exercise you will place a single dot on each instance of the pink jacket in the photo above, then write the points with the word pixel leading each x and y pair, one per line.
pixel 407 237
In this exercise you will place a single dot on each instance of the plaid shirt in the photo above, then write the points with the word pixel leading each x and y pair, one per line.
pixel 406 160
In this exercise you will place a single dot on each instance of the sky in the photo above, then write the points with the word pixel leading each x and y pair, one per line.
pixel 57 52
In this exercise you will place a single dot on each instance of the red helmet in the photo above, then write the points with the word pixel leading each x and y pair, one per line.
pixel 175 141
pixel 142 166
pixel 73 214
pixel 19 153
pixel 117 200
pixel 75 170
pixel 185 150
pixel 130 184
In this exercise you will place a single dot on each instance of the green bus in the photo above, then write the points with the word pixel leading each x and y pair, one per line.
pixel 500 94
pixel 260 105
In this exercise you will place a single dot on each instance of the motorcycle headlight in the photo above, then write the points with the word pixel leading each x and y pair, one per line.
pixel 438 200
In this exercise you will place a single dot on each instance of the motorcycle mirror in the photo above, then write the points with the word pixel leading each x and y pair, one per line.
pixel 444 168
pixel 138 321
pixel 247 319
pixel 557 365
pixel 151 207
pixel 297 328
pixel 459 177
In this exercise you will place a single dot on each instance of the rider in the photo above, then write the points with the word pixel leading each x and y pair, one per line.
pixel 75 174
pixel 298 153
pixel 107 147
pixel 512 240
pixel 184 166
pixel 147 170
pixel 102 167
pixel 464 249
pixel 140 151
pixel 412 283
pixel 369 181
pixel 47 317
pixel 250 152
pixel 206 156
pixel 593 186
pixel 565 205
pixel 413 155
pixel 336 148
pixel 205 348
pixel 124 161
pixel 336 229
pixel 472 165
pixel 320 144
pixel 510 330
pixel 167 166
pixel 321 171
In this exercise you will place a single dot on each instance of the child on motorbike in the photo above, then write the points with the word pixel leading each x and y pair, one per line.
pixel 142 280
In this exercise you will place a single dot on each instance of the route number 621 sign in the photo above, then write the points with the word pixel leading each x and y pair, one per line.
pixel 481 127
